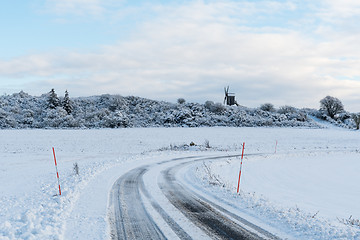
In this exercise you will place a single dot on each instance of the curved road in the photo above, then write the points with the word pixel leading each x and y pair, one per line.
pixel 130 219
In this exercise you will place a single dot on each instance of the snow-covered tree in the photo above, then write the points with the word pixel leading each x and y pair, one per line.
pixel 287 109
pixel 331 106
pixel 55 118
pixel 115 103
pixel 181 100
pixel 53 100
pixel 67 104
pixel 267 107
pixel 21 110
pixel 356 118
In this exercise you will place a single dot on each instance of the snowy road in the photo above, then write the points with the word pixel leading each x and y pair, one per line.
pixel 314 203
pixel 149 202
pixel 130 218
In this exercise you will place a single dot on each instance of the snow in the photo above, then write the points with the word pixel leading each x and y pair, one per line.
pixel 156 193
pixel 304 191
pixel 313 186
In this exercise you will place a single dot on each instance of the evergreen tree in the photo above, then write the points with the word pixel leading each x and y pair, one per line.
pixel 67 103
pixel 53 100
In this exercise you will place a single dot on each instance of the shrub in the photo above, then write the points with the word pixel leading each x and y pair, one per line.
pixel 351 221
pixel 287 109
pixel 207 143
pixel 181 100
pixel 208 104
pixel 267 107
pixel 76 169
pixel 356 118
pixel 214 107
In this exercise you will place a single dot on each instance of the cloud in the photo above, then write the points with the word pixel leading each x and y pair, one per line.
pixel 333 10
pixel 194 50
pixel 80 7
pixel 338 17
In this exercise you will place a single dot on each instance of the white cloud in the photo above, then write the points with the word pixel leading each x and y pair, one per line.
pixel 194 50
pixel 333 9
pixel 80 7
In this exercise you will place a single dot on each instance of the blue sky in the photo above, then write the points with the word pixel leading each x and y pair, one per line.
pixel 283 52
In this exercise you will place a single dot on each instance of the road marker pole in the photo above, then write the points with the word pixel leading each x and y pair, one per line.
pixel 57 173
pixel 242 155
pixel 276 145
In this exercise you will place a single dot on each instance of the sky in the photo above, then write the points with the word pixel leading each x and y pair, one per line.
pixel 281 52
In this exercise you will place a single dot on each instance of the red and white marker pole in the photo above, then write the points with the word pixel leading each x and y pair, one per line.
pixel 57 173
pixel 242 155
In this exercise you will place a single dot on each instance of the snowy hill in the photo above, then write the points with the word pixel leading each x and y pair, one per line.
pixel 21 110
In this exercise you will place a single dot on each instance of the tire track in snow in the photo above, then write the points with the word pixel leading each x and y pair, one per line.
pixel 129 218
pixel 173 225
pixel 206 214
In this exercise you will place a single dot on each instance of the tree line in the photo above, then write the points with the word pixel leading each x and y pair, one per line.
pixel 21 110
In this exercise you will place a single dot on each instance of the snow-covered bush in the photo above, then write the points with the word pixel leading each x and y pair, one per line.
pixel 356 118
pixel 267 107
pixel 214 107
pixel 20 110
pixel 293 113
pixel 287 109
pixel 351 221
pixel 55 118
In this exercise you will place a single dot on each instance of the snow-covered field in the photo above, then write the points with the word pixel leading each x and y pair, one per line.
pixel 307 190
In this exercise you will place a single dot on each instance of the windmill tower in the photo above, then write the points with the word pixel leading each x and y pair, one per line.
pixel 229 98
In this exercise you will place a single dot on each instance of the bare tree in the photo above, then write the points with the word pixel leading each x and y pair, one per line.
pixel 331 106
pixel 267 107
pixel 181 100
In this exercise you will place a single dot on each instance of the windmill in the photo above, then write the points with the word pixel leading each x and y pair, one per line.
pixel 229 98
